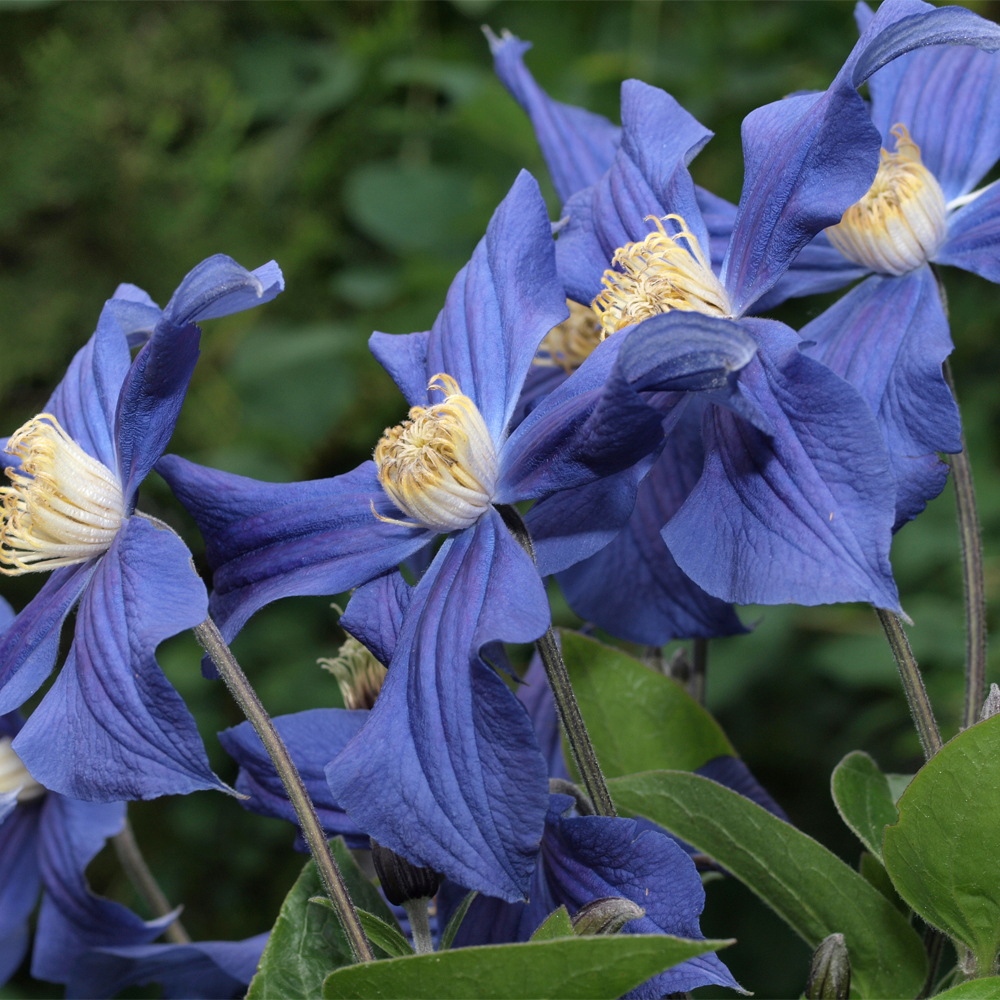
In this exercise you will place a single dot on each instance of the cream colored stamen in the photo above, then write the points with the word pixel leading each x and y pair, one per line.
pixel 900 223
pixel 657 275
pixel 570 343
pixel 14 775
pixel 440 466
pixel 358 673
pixel 64 507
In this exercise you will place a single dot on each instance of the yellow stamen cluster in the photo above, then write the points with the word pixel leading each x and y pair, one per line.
pixel 14 775
pixel 358 673
pixel 657 275
pixel 440 466
pixel 570 343
pixel 900 223
pixel 64 506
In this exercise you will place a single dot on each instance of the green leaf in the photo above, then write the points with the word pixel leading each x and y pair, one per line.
pixel 580 968
pixel 456 921
pixel 944 853
pixel 638 720
pixel 873 872
pixel 390 940
pixel 975 989
pixel 307 940
pixel 863 799
pixel 557 925
pixel 807 886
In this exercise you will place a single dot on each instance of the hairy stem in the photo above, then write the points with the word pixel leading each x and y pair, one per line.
pixel 562 691
pixel 211 639
pixel 416 910
pixel 913 683
pixel 135 867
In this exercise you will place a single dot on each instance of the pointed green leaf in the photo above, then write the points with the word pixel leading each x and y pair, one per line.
pixel 575 968
pixel 557 925
pixel 381 934
pixel 975 989
pixel 944 853
pixel 864 799
pixel 456 921
pixel 806 885
pixel 637 719
pixel 873 872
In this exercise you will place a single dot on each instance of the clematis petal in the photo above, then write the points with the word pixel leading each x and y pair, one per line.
pixel 202 970
pixel 973 242
pixel 804 516
pixel 219 286
pixel 313 738
pixel 719 216
pixel 112 726
pixel 404 357
pixel 29 646
pixel 578 145
pixel 270 540
pixel 19 882
pixel 374 615
pixel 135 312
pixel 447 770
pixel 889 337
pixel 72 919
pixel 648 177
pixel 732 773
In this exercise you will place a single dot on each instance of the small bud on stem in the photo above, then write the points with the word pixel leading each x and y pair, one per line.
pixel 830 971
pixel 606 916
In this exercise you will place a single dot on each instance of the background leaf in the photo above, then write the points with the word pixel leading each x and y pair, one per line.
pixel 976 989
pixel 576 968
pixel 864 799
pixel 810 888
pixel 944 853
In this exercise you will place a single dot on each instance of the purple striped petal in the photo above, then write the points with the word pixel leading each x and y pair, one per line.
pixel 973 242
pixel 374 615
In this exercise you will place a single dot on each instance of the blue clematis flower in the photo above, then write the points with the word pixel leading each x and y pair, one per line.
pixel 790 468
pixel 112 726
pixel 446 770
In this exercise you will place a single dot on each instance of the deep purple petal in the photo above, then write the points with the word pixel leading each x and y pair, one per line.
pixel 19 882
pixel 374 615
pixel 29 646
pixel 536 696
pixel 202 970
pixel 733 773
pixel 720 217
pixel 270 540
pixel 500 306
pixel 648 177
pixel 404 357
pixel 802 517
pixel 218 286
pixel 889 337
pixel 539 382
pixel 313 738
pixel 973 242
pixel 578 145
pixel 135 313
pixel 112 726
pixel 72 919
pixel 447 771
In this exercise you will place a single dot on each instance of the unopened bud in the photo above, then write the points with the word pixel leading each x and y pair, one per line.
pixel 830 971
pixel 400 880
pixel 991 706
pixel 606 916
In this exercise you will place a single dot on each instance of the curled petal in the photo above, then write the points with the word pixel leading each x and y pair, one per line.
pixel 375 613
pixel 219 286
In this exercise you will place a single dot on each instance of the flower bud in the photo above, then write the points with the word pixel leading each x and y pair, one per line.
pixel 606 916
pixel 830 971
pixel 400 880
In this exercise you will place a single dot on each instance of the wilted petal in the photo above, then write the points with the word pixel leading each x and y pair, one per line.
pixel 112 726
pixel 447 771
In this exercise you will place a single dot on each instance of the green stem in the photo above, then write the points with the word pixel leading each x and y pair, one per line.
pixel 416 910
pixel 211 639
pixel 699 669
pixel 913 683
pixel 562 690
pixel 135 867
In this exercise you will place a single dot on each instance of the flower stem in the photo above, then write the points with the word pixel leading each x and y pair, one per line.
pixel 562 690
pixel 207 633
pixel 135 867
pixel 416 910
pixel 696 684
pixel 913 683
pixel 972 577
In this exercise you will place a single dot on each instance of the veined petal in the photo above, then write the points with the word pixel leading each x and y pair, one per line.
pixel 72 919
pixel 19 883
pixel 889 337
pixel 313 738
pixel 447 770
pixel 375 612
pixel 270 540
pixel 803 516
pixel 577 144
pixel 973 242
pixel 219 286
pixel 404 357
pixel 29 646
pixel 135 313
pixel 112 726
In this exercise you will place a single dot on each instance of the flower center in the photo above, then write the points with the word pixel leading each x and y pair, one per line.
pixel 63 507
pixel 358 673
pixel 570 343
pixel 657 275
pixel 900 222
pixel 440 466
pixel 14 775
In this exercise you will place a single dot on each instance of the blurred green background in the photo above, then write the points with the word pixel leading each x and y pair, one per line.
pixel 364 145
